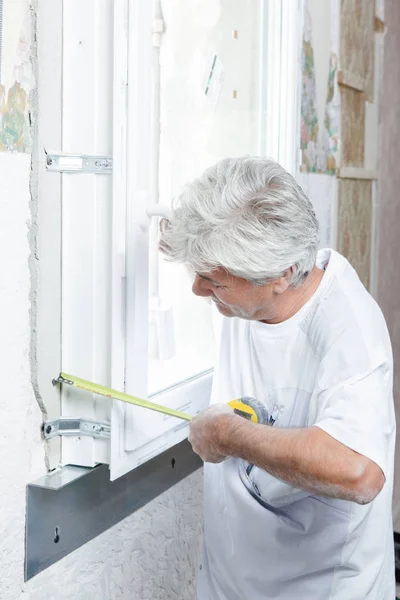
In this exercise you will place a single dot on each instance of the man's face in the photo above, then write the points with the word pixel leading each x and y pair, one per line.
pixel 236 297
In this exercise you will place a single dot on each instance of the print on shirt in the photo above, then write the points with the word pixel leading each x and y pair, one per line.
pixel 288 407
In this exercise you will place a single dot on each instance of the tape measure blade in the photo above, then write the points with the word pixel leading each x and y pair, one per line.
pixel 96 388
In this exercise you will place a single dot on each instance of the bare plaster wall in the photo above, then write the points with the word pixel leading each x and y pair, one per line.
pixel 389 200
pixel 152 555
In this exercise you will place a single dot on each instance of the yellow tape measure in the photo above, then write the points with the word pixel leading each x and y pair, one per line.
pixel 246 410
pixel 246 407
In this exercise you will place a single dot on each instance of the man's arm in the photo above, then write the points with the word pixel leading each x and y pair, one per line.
pixel 307 458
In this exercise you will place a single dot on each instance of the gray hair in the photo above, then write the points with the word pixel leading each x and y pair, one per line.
pixel 247 215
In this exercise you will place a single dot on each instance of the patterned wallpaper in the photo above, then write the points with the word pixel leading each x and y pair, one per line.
pixel 355 224
pixel 1 34
pixel 357 44
pixel 319 137
pixel 16 76
pixel 340 137
pixel 353 127
pixel 357 93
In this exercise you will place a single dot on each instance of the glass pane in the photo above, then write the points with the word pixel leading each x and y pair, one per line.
pixel 207 85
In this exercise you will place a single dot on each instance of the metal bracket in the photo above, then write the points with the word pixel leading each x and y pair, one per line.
pixel 76 426
pixel 71 506
pixel 79 163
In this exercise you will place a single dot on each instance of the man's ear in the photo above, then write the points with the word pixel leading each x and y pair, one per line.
pixel 282 284
pixel 163 227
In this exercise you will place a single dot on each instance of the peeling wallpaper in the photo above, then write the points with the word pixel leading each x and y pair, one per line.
pixel 17 77
pixel 355 225
pixel 1 34
pixel 358 93
pixel 320 101
pixel 357 44
pixel 14 127
pixel 353 127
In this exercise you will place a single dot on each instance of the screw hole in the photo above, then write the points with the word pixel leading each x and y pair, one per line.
pixel 173 461
pixel 57 536
pixel 48 429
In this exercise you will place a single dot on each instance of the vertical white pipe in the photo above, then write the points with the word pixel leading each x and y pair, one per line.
pixel 263 79
pixel 155 144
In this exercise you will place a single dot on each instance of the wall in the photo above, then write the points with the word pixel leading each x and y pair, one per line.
pixel 152 555
pixel 389 221
pixel 319 106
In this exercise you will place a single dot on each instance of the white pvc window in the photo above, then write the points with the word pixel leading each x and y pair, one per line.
pixel 167 91
pixel 283 30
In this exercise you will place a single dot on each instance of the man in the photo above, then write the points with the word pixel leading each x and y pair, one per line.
pixel 300 507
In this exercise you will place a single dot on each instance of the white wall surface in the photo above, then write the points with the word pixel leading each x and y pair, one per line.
pixel 152 555
pixel 149 556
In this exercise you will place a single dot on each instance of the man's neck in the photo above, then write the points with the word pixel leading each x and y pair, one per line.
pixel 295 298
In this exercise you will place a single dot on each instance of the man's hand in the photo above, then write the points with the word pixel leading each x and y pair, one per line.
pixel 205 431
pixel 307 458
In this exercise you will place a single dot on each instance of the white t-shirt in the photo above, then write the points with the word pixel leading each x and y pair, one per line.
pixel 330 365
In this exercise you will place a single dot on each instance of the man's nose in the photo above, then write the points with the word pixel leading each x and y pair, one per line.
pixel 201 287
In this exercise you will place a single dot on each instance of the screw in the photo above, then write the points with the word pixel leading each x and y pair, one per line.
pixel 104 164
pixel 56 536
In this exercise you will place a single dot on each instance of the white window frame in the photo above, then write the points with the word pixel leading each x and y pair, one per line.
pixel 281 71
pixel 125 344
pixel 131 192
pixel 86 211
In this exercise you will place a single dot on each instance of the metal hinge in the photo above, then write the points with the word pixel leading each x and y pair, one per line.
pixel 79 163
pixel 76 426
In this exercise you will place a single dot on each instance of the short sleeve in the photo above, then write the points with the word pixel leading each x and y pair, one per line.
pixel 359 413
